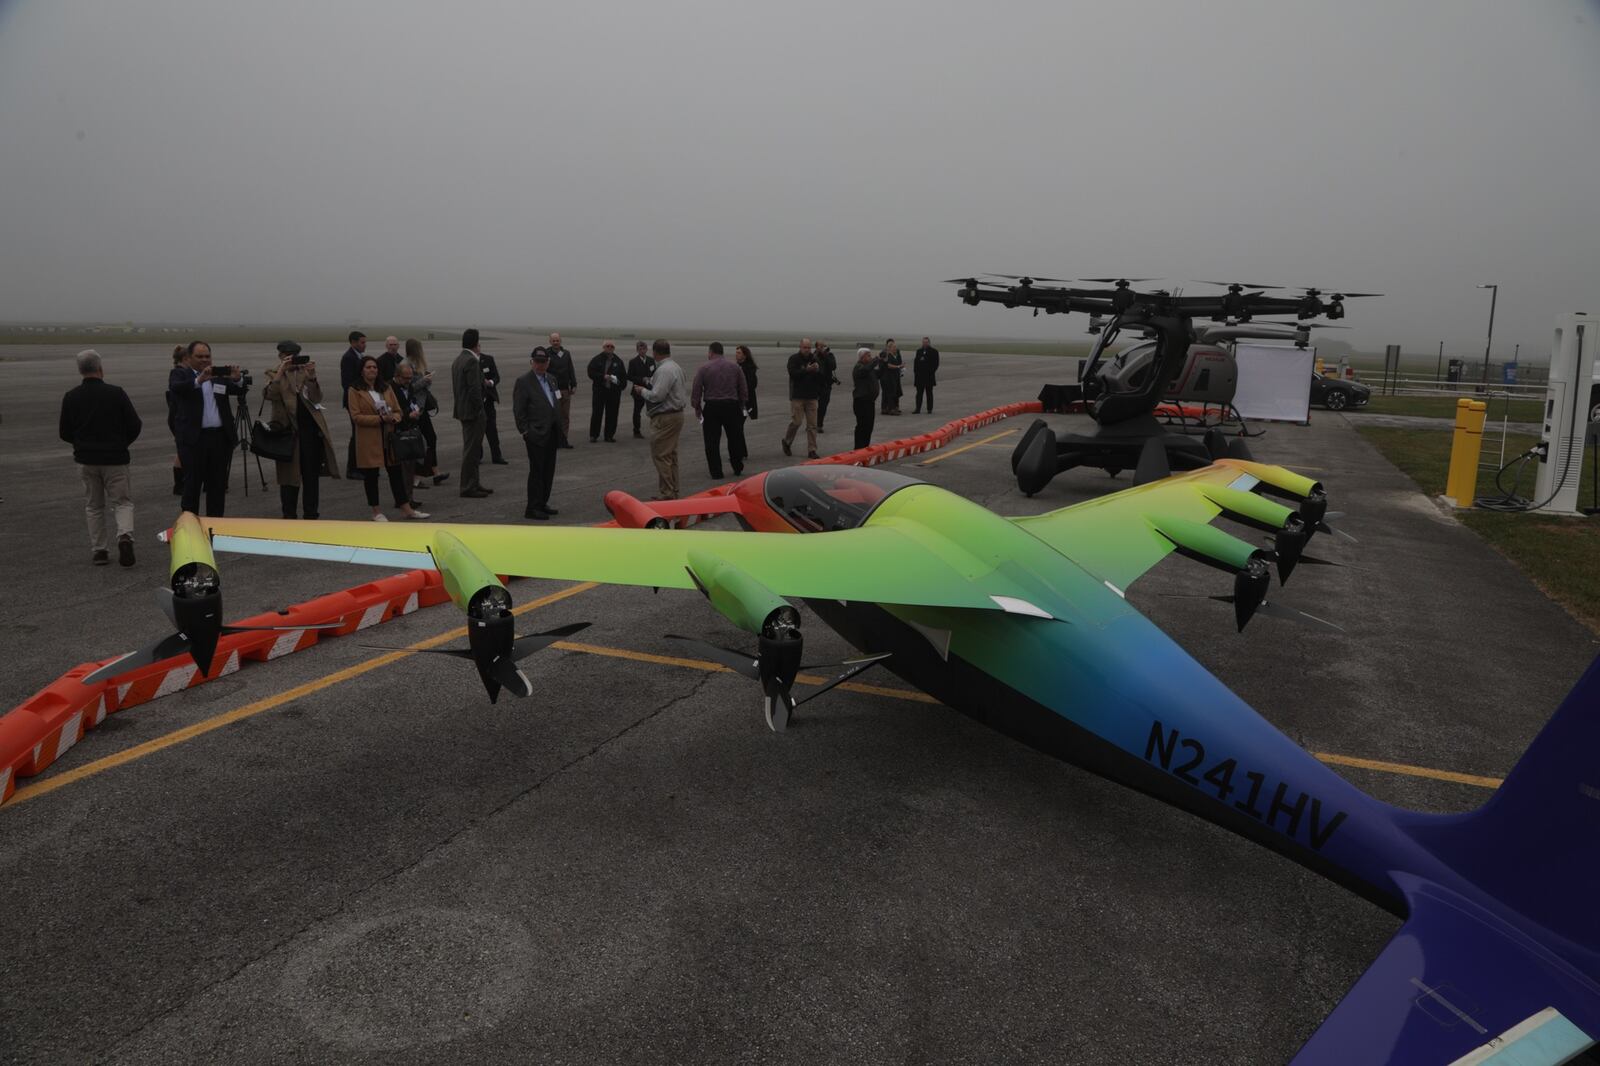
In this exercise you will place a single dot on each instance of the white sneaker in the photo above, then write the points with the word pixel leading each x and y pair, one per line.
pixel 380 518
pixel 418 515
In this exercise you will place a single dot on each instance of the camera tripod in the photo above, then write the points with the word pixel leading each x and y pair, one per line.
pixel 243 423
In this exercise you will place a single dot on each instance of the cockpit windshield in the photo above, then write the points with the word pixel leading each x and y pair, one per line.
pixel 824 497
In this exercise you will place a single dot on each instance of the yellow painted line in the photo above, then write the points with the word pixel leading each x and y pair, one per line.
pixel 249 710
pixel 1410 771
pixel 910 694
pixel 965 448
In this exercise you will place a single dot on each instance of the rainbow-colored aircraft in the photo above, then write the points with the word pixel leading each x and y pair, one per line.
pixel 1023 625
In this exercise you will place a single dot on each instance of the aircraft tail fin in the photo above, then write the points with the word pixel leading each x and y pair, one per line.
pixel 1535 846
pixel 1458 986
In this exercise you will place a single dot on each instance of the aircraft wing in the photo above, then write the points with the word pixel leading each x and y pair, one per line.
pixel 1455 987
pixel 1119 537
pixel 875 564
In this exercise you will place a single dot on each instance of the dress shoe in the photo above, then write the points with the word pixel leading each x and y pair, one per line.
pixel 819 427
pixel 474 494
pixel 486 490
pixel 537 516
pixel 125 549
pixel 786 449
pixel 639 435
pixel 101 557
pixel 611 440
pixel 738 471
pixel 499 462
pixel 440 479
pixel 566 444
pixel 716 475
pixel 594 440
pixel 811 455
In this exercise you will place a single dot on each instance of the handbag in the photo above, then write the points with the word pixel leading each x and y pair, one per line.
pixel 270 441
pixel 408 445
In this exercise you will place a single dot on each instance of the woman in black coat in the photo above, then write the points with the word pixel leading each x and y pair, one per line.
pixel 747 363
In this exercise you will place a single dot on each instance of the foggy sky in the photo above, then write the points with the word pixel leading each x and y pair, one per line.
pixel 812 165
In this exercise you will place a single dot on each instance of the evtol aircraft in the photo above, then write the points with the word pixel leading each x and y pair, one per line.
pixel 1023 624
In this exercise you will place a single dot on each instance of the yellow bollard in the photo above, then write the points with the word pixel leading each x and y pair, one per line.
pixel 1461 484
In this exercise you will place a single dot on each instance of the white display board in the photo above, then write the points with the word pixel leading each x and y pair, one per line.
pixel 1274 381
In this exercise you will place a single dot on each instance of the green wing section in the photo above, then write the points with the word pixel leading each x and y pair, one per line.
pixel 877 564
pixel 1119 537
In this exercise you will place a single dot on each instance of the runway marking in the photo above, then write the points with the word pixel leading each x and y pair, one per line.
pixel 909 694
pixel 1409 771
pixel 249 710
pixel 61 780
pixel 966 448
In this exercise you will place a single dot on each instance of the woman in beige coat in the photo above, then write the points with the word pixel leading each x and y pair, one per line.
pixel 296 399
pixel 375 412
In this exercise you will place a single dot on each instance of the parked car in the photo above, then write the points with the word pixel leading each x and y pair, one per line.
pixel 1336 394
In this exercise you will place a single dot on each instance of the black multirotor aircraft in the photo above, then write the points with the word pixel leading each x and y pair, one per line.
pixel 1127 434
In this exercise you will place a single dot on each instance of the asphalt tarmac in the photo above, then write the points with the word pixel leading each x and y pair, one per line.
pixel 629 867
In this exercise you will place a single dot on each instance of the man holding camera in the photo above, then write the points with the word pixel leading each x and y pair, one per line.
pixel 296 397
pixel 203 427
pixel 805 385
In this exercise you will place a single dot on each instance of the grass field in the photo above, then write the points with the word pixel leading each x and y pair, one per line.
pixel 1445 407
pixel 1562 555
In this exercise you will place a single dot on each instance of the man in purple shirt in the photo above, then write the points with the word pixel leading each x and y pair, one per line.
pixel 719 396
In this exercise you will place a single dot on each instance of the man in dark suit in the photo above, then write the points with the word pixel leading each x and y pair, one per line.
pixel 566 377
pixel 202 425
pixel 607 377
pixel 349 374
pixel 640 369
pixel 466 381
pixel 925 373
pixel 491 397
pixel 538 415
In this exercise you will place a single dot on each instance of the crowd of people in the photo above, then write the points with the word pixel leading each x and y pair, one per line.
pixel 390 404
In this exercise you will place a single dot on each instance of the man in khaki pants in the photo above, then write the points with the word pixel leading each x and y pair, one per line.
pixel 665 399
pixel 99 421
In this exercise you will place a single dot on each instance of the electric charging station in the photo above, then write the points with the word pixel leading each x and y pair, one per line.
pixel 1566 412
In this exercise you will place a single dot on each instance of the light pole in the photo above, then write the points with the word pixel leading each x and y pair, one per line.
pixel 1494 295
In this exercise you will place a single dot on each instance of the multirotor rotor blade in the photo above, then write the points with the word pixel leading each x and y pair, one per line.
pixel 523 647
pixel 738 661
pixel 1288 614
pixel 1241 284
pixel 1323 527
pixel 510 678
pixel 459 654
pixel 166 648
pixel 855 666
pixel 1027 277
pixel 1113 281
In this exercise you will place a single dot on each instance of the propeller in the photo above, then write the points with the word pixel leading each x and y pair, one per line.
pixel 1278 610
pixel 193 611
pixel 1028 279
pixel 1119 282
pixel 775 665
pixel 1237 286
pixel 497 665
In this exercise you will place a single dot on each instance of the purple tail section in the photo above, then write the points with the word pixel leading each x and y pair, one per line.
pixel 1535 846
